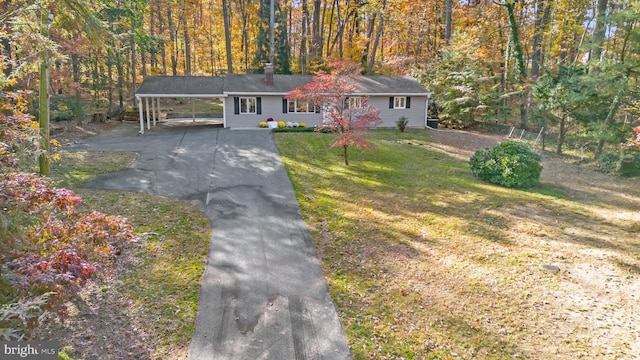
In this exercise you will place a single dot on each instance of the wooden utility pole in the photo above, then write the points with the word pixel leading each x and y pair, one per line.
pixel 43 110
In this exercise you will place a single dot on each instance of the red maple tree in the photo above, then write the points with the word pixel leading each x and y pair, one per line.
pixel 333 93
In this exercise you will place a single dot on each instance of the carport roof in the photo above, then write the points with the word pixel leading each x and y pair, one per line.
pixel 241 84
pixel 181 86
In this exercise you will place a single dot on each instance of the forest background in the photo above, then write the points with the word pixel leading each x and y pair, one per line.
pixel 569 66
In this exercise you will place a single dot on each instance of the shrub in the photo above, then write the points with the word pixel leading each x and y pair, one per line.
pixel 402 123
pixel 294 129
pixel 47 245
pixel 510 164
pixel 281 124
pixel 629 165
pixel 18 317
pixel 608 161
pixel 326 129
pixel 302 124
pixel 262 124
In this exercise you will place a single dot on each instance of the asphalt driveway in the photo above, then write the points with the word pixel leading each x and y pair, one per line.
pixel 263 293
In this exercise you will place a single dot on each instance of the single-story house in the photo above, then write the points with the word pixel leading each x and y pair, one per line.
pixel 250 98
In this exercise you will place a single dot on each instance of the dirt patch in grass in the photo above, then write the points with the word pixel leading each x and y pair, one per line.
pixel 426 262
pixel 591 234
pixel 67 132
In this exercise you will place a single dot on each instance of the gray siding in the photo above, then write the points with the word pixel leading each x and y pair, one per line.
pixel 271 108
pixel 416 113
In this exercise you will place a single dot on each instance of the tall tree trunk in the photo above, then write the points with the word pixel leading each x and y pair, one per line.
pixel 316 41
pixel 134 83
pixel 623 49
pixel 172 38
pixel 377 40
pixel 543 10
pixel 595 54
pixel 227 36
pixel 520 67
pixel 322 27
pixel 143 63
pixel 109 79
pixel 245 34
pixel 187 45
pixel 163 52
pixel 514 28
pixel 303 41
pixel 447 14
pixel 43 109
pixel 613 110
pixel 599 30
pixel 6 40
pixel 153 55
pixel 75 69
pixel 339 39
pixel 561 132
pixel 368 37
pixel 329 35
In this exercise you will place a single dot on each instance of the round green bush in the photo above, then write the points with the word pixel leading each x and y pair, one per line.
pixel 511 164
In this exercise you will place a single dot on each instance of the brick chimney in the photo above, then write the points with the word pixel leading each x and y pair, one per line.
pixel 268 74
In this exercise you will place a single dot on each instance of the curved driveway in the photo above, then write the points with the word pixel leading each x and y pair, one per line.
pixel 263 293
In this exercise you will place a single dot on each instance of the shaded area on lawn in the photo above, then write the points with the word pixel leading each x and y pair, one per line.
pixel 425 261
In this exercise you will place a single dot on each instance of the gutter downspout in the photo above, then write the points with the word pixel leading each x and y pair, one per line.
pixel 426 113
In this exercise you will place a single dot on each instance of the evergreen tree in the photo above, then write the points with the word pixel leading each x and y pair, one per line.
pixel 261 55
pixel 282 57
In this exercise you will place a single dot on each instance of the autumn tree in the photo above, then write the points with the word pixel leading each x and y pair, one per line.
pixel 463 88
pixel 351 119
pixel 48 247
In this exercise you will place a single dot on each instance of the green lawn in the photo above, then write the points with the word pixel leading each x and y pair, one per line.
pixel 424 261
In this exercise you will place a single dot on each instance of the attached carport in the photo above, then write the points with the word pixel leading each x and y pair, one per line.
pixel 154 88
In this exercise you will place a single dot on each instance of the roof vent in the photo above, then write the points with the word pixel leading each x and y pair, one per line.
pixel 268 74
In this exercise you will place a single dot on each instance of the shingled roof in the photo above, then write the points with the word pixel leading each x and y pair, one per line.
pixel 169 86
pixel 240 84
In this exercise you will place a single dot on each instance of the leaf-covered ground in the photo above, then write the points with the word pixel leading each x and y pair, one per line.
pixel 145 306
pixel 425 262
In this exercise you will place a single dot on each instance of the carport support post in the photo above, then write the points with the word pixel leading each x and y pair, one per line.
pixel 146 101
pixel 153 110
pixel 158 104
pixel 141 118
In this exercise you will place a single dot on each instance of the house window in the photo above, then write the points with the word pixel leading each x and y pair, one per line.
pixel 355 102
pixel 301 107
pixel 248 105
pixel 399 102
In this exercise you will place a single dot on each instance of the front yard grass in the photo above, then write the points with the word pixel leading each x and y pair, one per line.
pixel 424 261
pixel 145 307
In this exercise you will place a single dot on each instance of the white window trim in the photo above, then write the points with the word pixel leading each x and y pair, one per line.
pixel 247 100
pixel 399 102
pixel 355 102
pixel 295 107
